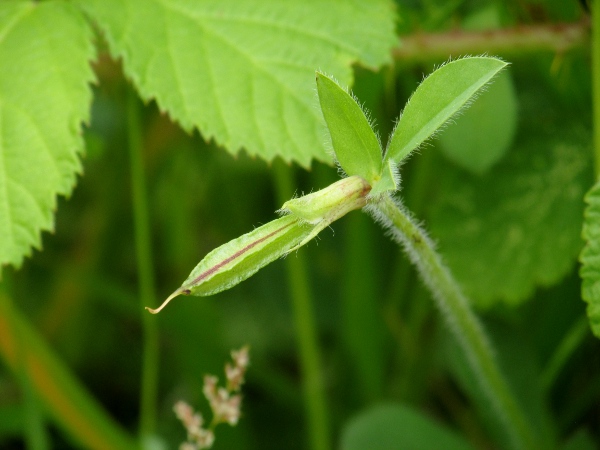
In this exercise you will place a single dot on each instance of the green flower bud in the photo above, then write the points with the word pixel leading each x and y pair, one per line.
pixel 323 207
pixel 241 258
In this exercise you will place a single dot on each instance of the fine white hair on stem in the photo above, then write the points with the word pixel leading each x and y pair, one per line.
pixel 454 307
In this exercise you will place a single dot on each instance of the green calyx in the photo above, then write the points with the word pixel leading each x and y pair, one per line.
pixel 304 218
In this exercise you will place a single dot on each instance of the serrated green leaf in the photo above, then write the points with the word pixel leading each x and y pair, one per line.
pixel 354 142
pixel 518 226
pixel 590 258
pixel 45 49
pixel 395 426
pixel 483 134
pixel 439 97
pixel 242 71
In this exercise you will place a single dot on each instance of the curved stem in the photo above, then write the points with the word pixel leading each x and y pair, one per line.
pixel 459 316
pixel 60 393
pixel 310 358
pixel 565 349
pixel 34 423
pixel 143 247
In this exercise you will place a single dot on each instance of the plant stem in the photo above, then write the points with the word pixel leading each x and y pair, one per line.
pixel 149 378
pixel 36 437
pixel 310 359
pixel 457 312
pixel 558 38
pixel 569 343
pixel 596 83
pixel 61 395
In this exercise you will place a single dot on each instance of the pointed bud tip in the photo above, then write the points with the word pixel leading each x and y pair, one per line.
pixel 166 302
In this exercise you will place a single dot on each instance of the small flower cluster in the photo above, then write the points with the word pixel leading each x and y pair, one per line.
pixel 225 403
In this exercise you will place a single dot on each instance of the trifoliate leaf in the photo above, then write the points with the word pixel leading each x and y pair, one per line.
pixel 483 134
pixel 45 49
pixel 242 71
pixel 439 97
pixel 354 142
pixel 518 226
pixel 590 258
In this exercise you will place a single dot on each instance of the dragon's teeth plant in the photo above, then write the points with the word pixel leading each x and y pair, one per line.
pixel 305 217
pixel 370 183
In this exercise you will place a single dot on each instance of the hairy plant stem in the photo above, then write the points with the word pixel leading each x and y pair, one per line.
pixel 143 248
pixel 524 39
pixel 456 311
pixel 310 358
pixel 596 83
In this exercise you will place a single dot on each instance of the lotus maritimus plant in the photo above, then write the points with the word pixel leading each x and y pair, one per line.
pixel 372 178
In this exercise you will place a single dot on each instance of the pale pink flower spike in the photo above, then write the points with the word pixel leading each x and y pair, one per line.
pixel 225 403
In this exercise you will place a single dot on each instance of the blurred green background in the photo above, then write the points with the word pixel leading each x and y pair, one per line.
pixel 380 339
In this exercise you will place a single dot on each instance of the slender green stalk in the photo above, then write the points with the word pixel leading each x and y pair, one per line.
pixel 149 378
pixel 36 437
pixel 310 359
pixel 596 83
pixel 570 342
pixel 62 397
pixel 457 312
pixel 362 324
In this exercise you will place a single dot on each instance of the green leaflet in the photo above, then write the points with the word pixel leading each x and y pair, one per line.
pixel 439 97
pixel 355 144
pixel 590 258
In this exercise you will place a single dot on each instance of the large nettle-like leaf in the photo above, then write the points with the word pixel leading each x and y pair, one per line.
pixel 590 258
pixel 45 49
pixel 242 71
pixel 519 225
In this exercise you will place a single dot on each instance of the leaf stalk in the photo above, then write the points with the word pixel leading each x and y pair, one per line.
pixel 306 330
pixel 143 249
pixel 456 311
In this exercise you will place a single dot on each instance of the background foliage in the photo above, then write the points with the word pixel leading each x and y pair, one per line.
pixel 501 191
